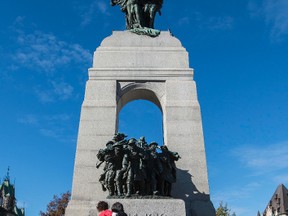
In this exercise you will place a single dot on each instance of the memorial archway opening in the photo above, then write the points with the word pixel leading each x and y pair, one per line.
pixel 141 118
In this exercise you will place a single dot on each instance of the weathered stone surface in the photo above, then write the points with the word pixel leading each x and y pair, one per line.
pixel 127 67
pixel 137 207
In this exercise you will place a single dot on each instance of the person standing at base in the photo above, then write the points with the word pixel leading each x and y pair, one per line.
pixel 103 210
pixel 118 209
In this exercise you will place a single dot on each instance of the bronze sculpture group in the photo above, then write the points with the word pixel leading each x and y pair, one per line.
pixel 140 15
pixel 135 168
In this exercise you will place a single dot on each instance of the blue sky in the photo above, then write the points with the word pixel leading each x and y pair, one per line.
pixel 238 48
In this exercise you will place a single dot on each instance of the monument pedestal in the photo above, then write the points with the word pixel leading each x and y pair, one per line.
pixel 135 207
pixel 128 67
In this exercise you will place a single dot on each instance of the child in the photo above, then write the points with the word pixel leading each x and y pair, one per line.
pixel 103 210
pixel 118 210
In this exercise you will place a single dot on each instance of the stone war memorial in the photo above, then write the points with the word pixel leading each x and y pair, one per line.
pixel 149 180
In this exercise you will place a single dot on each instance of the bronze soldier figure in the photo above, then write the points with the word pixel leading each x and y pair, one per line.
pixel 168 176
pixel 113 158
pixel 154 169
pixel 135 178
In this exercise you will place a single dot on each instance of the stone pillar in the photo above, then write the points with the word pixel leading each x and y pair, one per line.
pixel 183 126
pixel 97 123
pixel 127 67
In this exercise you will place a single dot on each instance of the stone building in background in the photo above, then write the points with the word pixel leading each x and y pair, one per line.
pixel 278 204
pixel 8 205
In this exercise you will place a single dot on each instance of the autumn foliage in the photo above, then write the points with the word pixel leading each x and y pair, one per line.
pixel 223 210
pixel 58 205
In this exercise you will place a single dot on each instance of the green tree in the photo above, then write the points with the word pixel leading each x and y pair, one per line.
pixel 223 210
pixel 57 206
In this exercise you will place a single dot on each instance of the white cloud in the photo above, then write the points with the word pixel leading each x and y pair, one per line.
pixel 211 23
pixel 264 159
pixel 49 133
pixel 62 89
pixel 99 7
pixel 184 21
pixel 33 119
pixel 57 91
pixel 44 96
pixel 275 15
pixel 102 5
pixel 45 52
pixel 234 195
pixel 57 126
pixel 220 23
pixel 28 119
pixel 60 117
pixel 58 133
pixel 281 179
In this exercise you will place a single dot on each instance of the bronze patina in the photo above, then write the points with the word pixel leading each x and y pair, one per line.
pixel 140 15
pixel 135 169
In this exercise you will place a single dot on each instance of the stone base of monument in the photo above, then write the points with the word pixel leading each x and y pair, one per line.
pixel 133 207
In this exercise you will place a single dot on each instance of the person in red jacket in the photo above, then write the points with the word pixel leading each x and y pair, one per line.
pixel 103 210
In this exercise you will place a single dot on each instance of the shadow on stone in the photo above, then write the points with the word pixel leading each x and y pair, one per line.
pixel 196 202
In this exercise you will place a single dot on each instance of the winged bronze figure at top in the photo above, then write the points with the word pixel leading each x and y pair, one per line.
pixel 140 15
